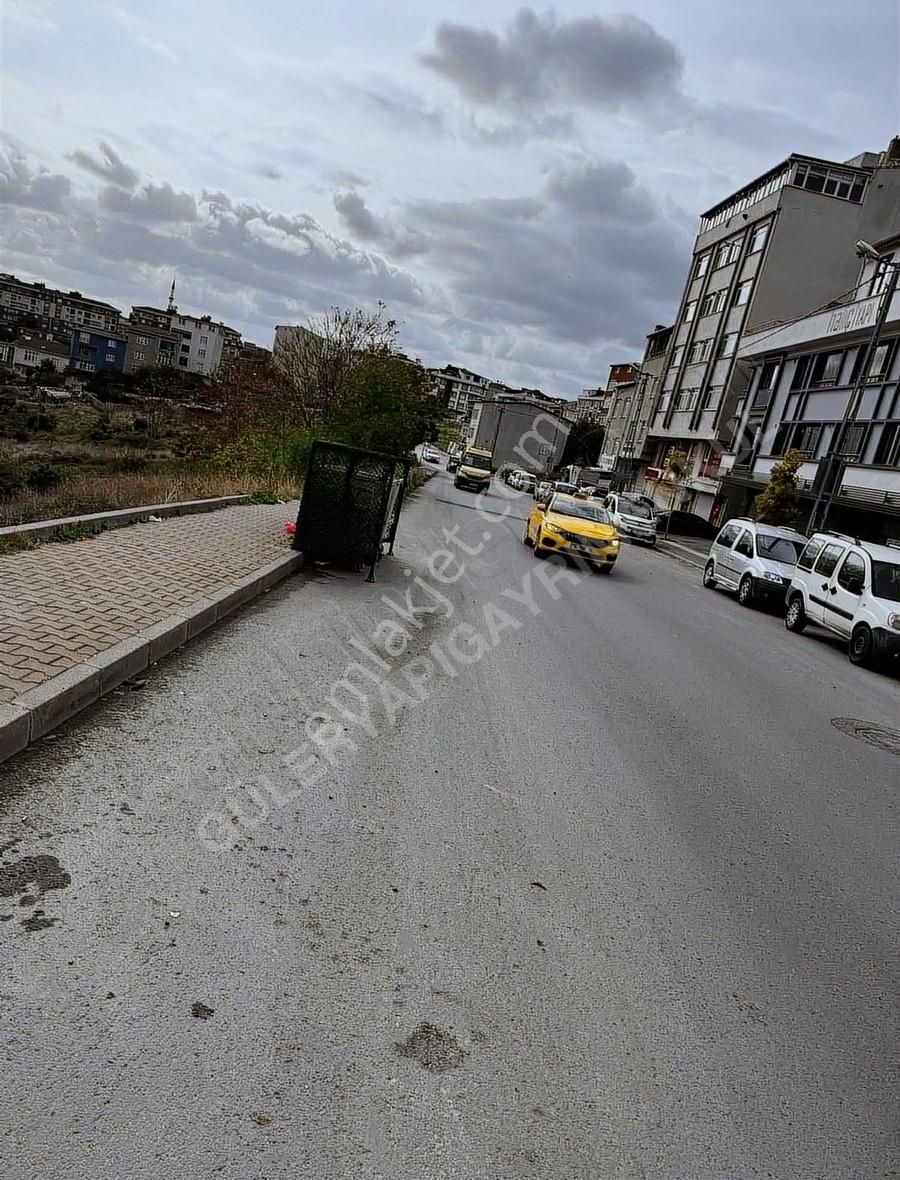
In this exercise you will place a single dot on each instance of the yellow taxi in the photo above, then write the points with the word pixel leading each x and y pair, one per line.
pixel 576 528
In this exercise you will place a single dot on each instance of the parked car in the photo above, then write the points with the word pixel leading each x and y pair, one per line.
pixel 685 524
pixel 756 560
pixel 430 454
pixel 575 528
pixel 853 589
pixel 632 516
pixel 453 463
pixel 543 490
pixel 522 481
pixel 564 488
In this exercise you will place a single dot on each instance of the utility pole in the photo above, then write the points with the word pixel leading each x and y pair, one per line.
pixel 834 460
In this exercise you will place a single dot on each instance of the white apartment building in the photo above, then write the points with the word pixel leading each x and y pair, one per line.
pixel 462 388
pixel 773 250
pixel 202 341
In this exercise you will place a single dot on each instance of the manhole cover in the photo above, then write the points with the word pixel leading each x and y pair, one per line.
pixel 878 736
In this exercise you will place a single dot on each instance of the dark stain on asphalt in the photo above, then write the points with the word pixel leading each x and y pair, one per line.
pixel 37 921
pixel 432 1047
pixel 43 870
pixel 201 1011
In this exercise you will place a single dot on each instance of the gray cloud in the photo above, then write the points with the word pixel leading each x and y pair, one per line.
pixel 360 221
pixel 154 202
pixel 347 179
pixel 594 61
pixel 110 167
pixel 27 188
pixel 602 189
pixel 404 108
pixel 269 171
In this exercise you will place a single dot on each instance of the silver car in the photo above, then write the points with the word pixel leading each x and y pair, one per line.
pixel 757 560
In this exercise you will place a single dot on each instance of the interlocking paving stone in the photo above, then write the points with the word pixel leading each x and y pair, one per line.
pixel 60 604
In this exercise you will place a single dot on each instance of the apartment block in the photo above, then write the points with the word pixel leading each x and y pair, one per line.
pixel 773 250
pixel 801 376
pixel 19 299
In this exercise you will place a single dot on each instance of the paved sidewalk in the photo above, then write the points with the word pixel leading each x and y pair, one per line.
pixel 61 604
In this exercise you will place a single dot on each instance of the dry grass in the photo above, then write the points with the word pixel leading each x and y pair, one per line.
pixel 82 494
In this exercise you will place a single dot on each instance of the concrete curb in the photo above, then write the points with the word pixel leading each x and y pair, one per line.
pixel 41 709
pixel 683 553
pixel 98 521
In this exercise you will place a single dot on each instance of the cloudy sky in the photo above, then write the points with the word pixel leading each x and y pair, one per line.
pixel 520 185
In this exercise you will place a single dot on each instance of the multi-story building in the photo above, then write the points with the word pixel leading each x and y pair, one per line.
pixel 773 250
pixel 91 351
pixel 801 377
pixel 201 339
pixel 461 388
pixel 70 308
pixel 148 346
pixel 633 390
pixel 32 349
pixel 592 403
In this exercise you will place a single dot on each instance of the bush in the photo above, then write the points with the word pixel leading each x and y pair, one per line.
pixel 141 425
pixel 12 477
pixel 40 422
pixel 22 436
pixel 131 464
pixel 42 476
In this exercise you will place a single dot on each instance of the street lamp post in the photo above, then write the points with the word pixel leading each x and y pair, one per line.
pixel 834 465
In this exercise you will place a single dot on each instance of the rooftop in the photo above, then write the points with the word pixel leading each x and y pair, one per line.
pixel 772 173
pixel 43 289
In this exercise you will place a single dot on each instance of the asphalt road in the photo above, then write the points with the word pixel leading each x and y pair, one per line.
pixel 605 896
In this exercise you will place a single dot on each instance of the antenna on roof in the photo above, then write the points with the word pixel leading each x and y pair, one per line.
pixel 172 306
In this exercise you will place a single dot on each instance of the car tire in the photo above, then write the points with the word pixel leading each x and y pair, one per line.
pixel 526 540
pixel 795 616
pixel 709 575
pixel 606 568
pixel 747 592
pixel 538 551
pixel 862 647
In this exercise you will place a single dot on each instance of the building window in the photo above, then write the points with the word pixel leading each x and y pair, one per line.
pixel 879 279
pixel 31 357
pixel 728 252
pixel 887 453
pixel 878 365
pixel 826 368
pixel 142 340
pixel 139 356
pixel 702 265
pixel 712 397
pixel 182 361
pixel 677 354
pixel 110 344
pixel 110 358
pixel 201 353
pixel 847 186
pixel 853 442
pixel 713 303
pixel 687 399
pixel 758 238
pixel 700 350
pixel 690 310
pixel 728 344
pixel 806 438
pixel 204 340
pixel 742 292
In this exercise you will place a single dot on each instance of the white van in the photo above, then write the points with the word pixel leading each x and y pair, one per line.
pixel 757 560
pixel 633 516
pixel 852 588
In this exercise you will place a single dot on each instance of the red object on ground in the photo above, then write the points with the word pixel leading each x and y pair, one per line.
pixel 290 528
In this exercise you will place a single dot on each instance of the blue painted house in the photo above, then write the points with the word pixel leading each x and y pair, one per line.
pixel 92 351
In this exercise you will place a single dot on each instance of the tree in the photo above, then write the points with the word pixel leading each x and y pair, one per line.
pixel 387 406
pixel 319 360
pixel 779 502
pixel 584 443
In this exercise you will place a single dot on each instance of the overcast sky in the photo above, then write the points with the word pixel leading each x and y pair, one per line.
pixel 520 185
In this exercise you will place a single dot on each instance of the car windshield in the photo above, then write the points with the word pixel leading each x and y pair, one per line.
pixel 482 462
pixel 582 509
pixel 778 548
pixel 635 508
pixel 886 580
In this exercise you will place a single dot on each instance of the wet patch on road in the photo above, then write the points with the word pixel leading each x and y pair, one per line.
pixel 433 1048
pixel 42 871
pixel 878 736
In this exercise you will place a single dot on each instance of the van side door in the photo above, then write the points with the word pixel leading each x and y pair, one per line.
pixel 721 552
pixel 821 580
pixel 844 592
pixel 742 555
